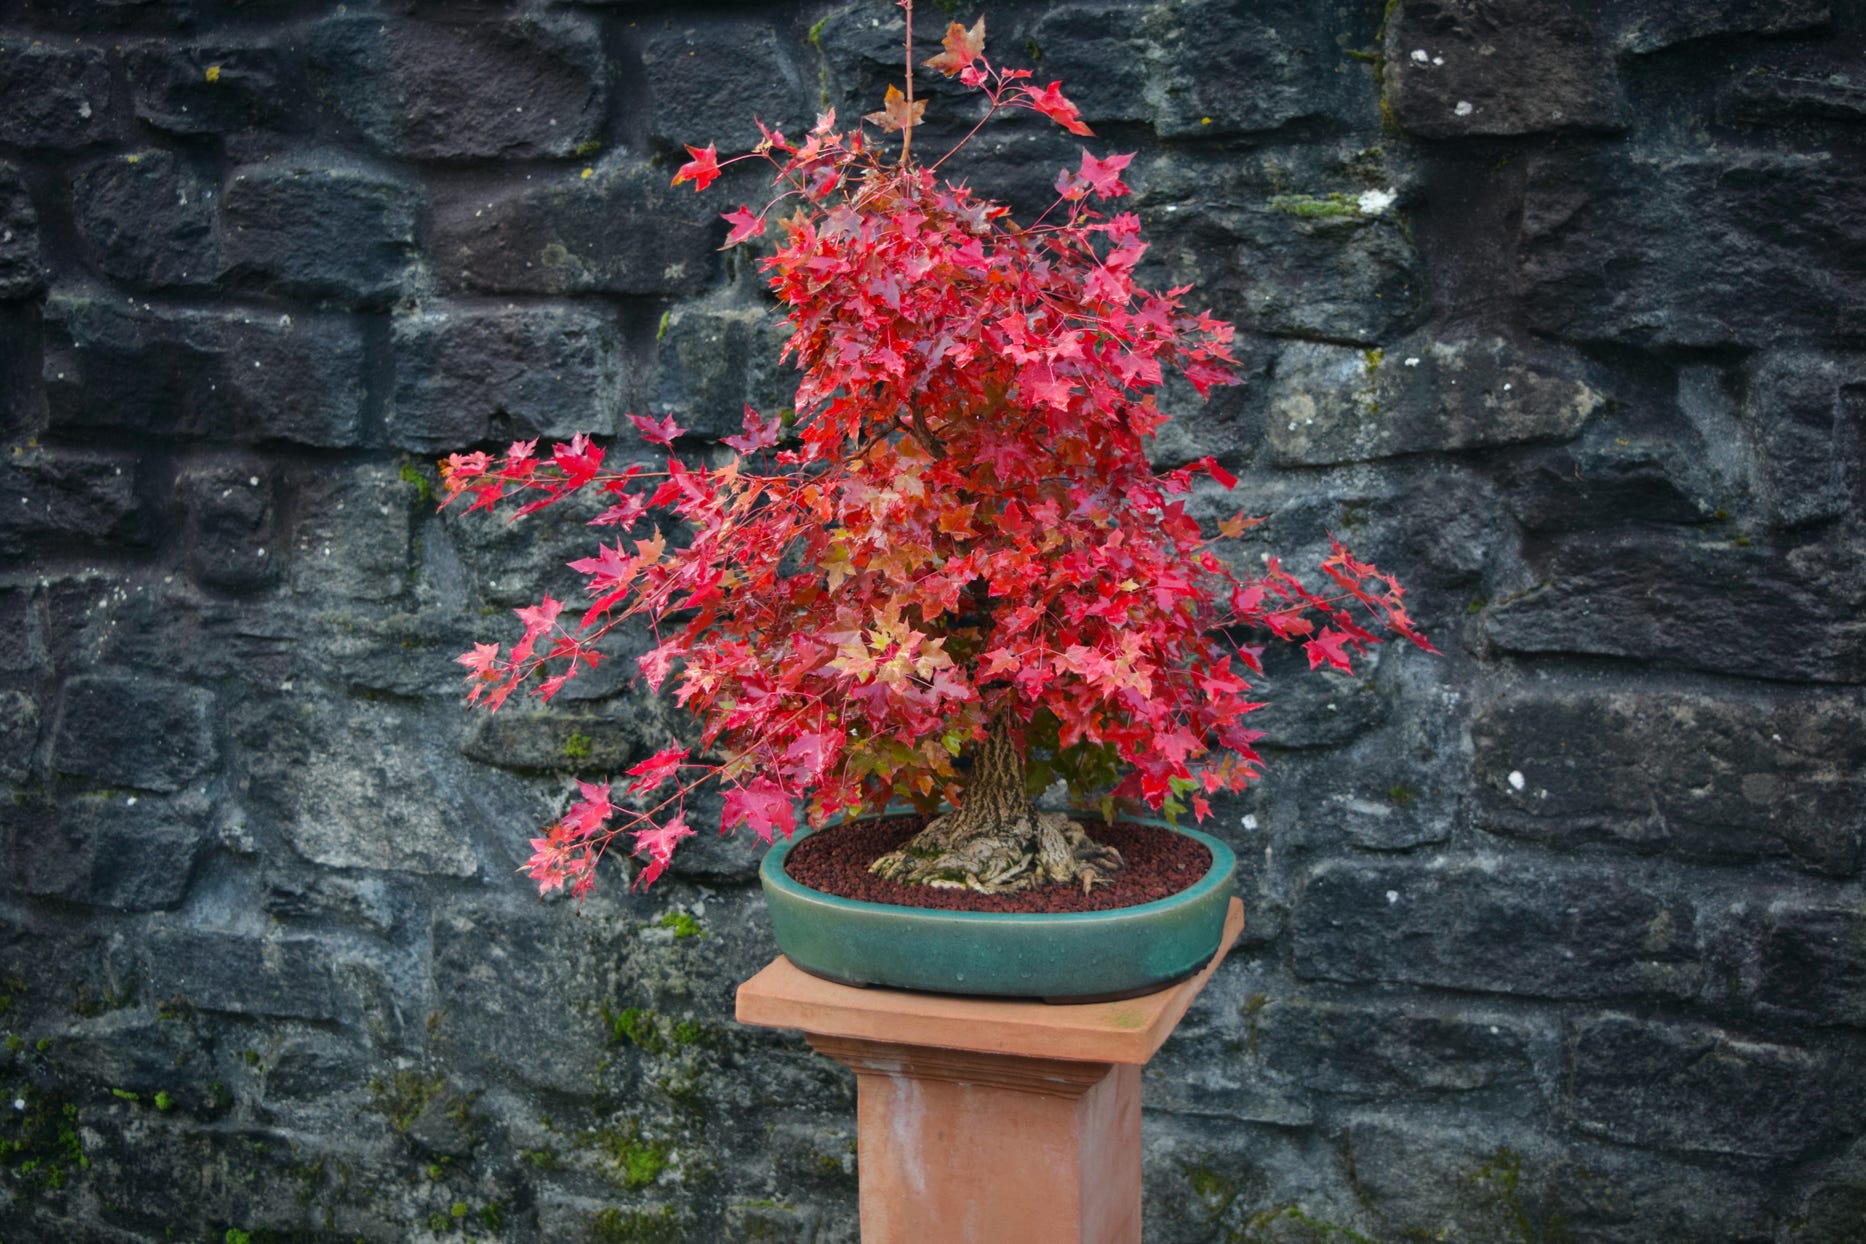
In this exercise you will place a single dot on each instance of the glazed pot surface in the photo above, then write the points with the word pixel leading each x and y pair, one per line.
pixel 1072 956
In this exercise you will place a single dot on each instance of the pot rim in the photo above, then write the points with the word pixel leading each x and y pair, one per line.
pixel 1223 868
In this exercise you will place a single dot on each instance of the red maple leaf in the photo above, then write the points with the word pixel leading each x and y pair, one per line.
pixel 762 805
pixel 661 431
pixel 745 224
pixel 658 768
pixel 1050 102
pixel 702 170
pixel 657 842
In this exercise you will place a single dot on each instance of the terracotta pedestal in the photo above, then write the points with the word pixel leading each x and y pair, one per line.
pixel 987 1121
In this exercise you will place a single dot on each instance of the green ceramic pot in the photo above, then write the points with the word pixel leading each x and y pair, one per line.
pixel 1075 956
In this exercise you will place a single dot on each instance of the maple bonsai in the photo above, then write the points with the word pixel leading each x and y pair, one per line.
pixel 953 576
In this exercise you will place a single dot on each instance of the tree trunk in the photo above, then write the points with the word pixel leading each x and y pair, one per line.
pixel 995 842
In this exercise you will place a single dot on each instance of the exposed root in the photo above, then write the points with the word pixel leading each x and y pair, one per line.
pixel 1028 850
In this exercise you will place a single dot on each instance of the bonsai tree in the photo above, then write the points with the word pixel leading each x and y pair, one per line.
pixel 952 577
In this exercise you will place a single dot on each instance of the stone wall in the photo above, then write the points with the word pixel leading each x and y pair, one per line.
pixel 1558 309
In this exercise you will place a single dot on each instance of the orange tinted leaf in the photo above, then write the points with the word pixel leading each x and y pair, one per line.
pixel 895 112
pixel 962 48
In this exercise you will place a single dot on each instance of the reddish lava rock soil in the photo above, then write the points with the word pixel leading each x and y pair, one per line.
pixel 1160 863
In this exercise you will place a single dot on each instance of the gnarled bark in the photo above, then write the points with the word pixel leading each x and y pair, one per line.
pixel 995 842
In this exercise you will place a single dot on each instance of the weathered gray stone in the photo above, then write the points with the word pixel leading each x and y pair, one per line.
pixel 1430 1178
pixel 1804 412
pixel 147 220
pixel 1551 931
pixel 22 274
pixel 1608 476
pixel 713 362
pixel 1653 25
pixel 56 94
pixel 1467 68
pixel 693 67
pixel 212 86
pixel 600 739
pixel 60 498
pixel 437 90
pixel 1716 249
pixel 349 789
pixel 129 852
pixel 1348 275
pixel 353 542
pixel 1697 601
pixel 1708 777
pixel 288 977
pixel 518 992
pixel 232 543
pixel 1388 1053
pixel 622 230
pixel 19 734
pixel 1702 1089
pixel 240 376
pixel 321 234
pixel 1808 965
pixel 140 732
pixel 462 377
pixel 1796 87
pixel 1333 404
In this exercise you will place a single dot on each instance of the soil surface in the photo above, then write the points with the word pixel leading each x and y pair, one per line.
pixel 1159 863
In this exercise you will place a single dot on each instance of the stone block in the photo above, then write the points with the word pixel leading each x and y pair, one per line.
pixel 236 376
pixel 56 95
pixel 1713 777
pixel 1343 276
pixel 128 852
pixel 161 624
pixel 605 738
pixel 328 234
pixel 1644 26
pixel 713 362
pixel 1607 476
pixel 1104 58
pixel 20 720
pixel 22 273
pixel 512 987
pixel 282 977
pixel 1804 413
pixel 354 786
pixel 1821 85
pixel 441 90
pixel 1227 68
pixel 211 86
pixel 622 230
pixel 231 541
pixel 353 539
pixel 1431 1178
pixel 135 731
pixel 1531 928
pixel 1702 1089
pixel 1466 68
pixel 147 220
pixel 1389 1052
pixel 462 377
pixel 1335 404
pixel 1694 600
pixel 1808 964
pixel 1739 247
pixel 70 499
pixel 694 66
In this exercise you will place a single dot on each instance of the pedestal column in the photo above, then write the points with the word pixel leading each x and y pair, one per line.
pixel 983 1121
